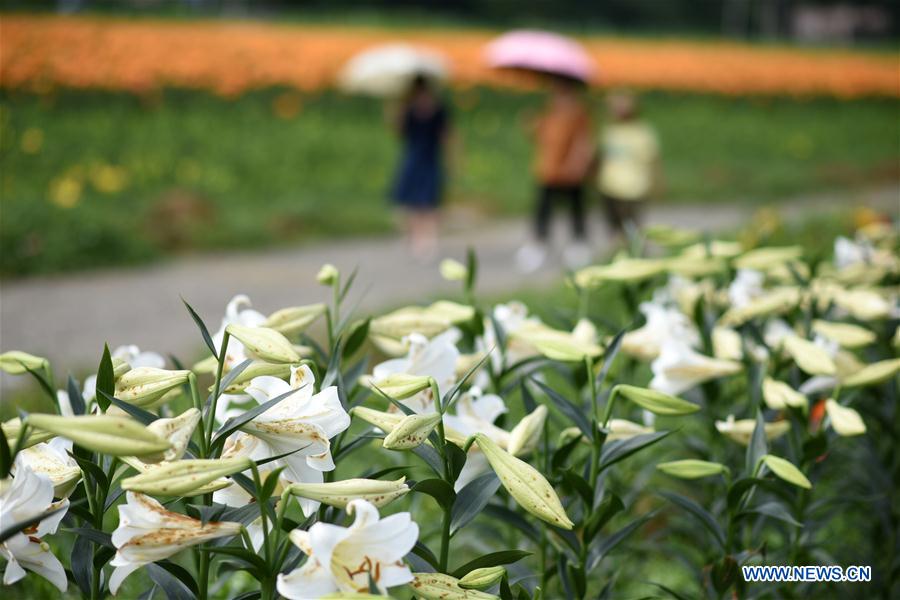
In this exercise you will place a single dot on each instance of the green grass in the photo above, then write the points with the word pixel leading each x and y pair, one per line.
pixel 198 172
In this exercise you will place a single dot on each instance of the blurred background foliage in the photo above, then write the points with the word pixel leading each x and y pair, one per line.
pixel 95 178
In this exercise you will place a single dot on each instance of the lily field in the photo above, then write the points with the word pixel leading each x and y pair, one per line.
pixel 708 405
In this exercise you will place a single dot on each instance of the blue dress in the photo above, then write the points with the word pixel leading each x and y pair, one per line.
pixel 419 179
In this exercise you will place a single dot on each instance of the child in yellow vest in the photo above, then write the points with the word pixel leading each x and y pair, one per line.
pixel 629 162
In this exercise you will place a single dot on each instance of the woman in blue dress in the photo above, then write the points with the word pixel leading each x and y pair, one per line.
pixel 423 125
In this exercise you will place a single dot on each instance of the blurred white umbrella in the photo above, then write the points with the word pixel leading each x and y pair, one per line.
pixel 388 70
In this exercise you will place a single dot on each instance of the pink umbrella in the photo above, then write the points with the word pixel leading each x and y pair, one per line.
pixel 541 51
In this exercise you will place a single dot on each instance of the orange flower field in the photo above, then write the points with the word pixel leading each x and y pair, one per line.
pixel 230 57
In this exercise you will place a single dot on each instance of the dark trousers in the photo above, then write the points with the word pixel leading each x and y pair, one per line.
pixel 548 195
pixel 621 212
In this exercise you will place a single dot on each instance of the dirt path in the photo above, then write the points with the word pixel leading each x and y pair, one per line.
pixel 68 318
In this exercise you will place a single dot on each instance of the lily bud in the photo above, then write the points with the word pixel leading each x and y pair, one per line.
pixel 208 488
pixel 12 428
pixel 411 431
pixel 761 259
pixel 120 367
pixel 874 373
pixel 257 368
pixel 695 266
pixel 384 421
pixel 779 395
pixel 178 431
pixel 340 493
pixel 264 343
pixel 811 358
pixel 846 334
pixel 691 468
pixel 15 362
pixel 482 578
pixel 437 586
pixel 451 311
pixel 107 434
pixel 525 436
pixel 295 319
pixel 786 470
pixel 775 302
pixel 741 431
pixel 844 420
pixel 143 386
pixel 656 402
pixel 53 462
pixel 408 320
pixel 453 270
pixel 624 269
pixel 183 477
pixel 400 386
pixel 525 484
pixel 328 274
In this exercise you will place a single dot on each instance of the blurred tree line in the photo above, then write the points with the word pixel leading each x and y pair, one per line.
pixel 804 20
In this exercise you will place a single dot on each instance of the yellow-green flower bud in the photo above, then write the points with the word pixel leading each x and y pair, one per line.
pixel 328 274
pixel 408 320
pixel 811 358
pixel 437 586
pixel 294 319
pixel 656 402
pixel 453 270
pixel 178 431
pixel 846 334
pixel 527 433
pixel 451 311
pixel 401 385
pixel 143 386
pixel 844 420
pixel 15 362
pixel 762 259
pixel 107 434
pixel 779 395
pixel 11 431
pixel 874 373
pixel 340 493
pixel 142 467
pixel 525 484
pixel 786 471
pixel 183 477
pixel 385 421
pixel 120 367
pixel 775 302
pixel 411 431
pixel 264 343
pixel 481 579
pixel 625 269
pixel 691 468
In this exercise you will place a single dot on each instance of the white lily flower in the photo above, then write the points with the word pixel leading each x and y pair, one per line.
pixel 343 559
pixel 741 430
pixel 302 423
pixel 51 459
pixel 434 358
pixel 476 413
pixel 27 496
pixel 147 532
pixel 746 287
pixel 662 323
pixel 848 253
pixel 239 312
pixel 511 317
pixel 679 368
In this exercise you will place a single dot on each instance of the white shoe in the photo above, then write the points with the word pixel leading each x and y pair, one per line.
pixel 577 255
pixel 531 257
